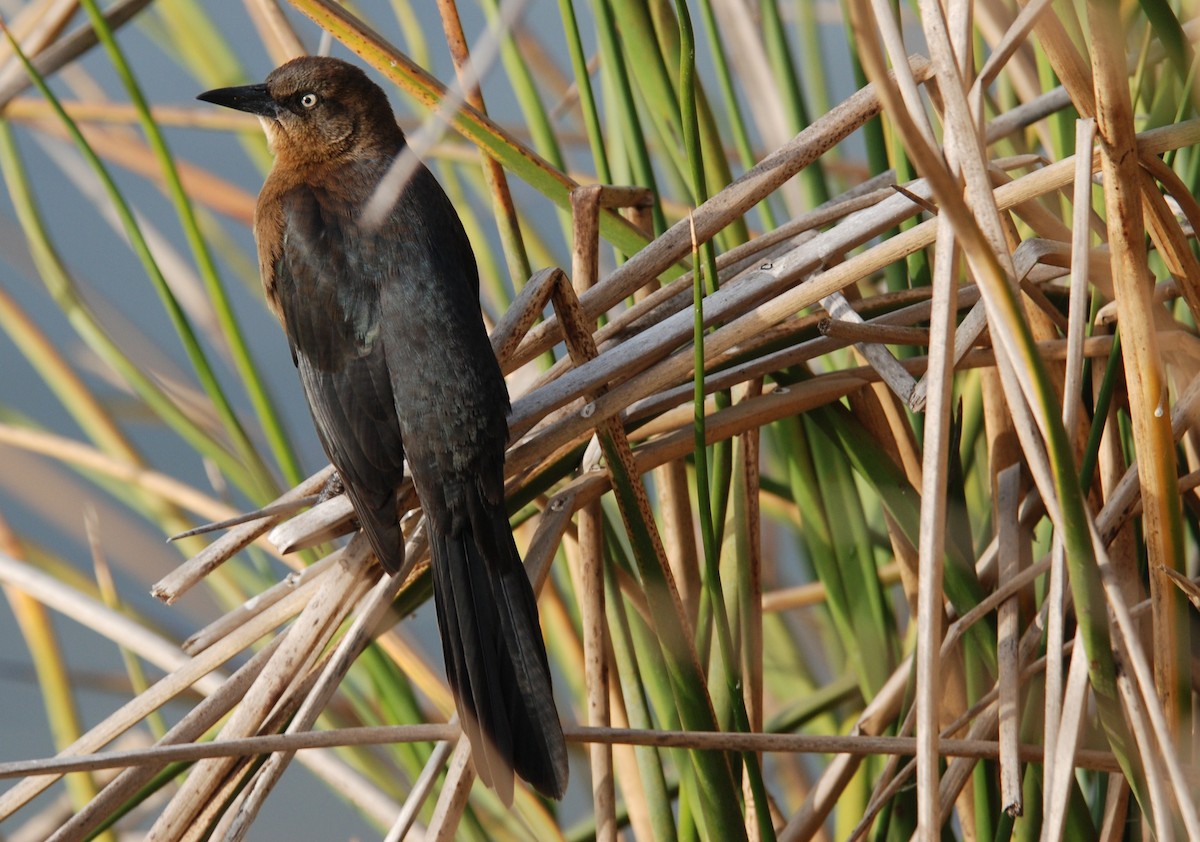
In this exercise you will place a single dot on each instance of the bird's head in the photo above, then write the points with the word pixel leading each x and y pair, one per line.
pixel 317 110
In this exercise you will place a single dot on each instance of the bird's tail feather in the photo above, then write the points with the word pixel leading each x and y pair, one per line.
pixel 495 657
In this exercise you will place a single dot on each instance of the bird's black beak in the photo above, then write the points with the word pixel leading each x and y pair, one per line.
pixel 253 99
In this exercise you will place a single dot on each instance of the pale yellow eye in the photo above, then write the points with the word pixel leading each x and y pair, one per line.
pixel 309 100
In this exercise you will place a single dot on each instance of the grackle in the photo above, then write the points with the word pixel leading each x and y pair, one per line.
pixel 385 328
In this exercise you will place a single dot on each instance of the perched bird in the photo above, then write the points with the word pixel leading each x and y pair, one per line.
pixel 385 329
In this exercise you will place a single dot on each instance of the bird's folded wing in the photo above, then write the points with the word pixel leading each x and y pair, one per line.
pixel 331 313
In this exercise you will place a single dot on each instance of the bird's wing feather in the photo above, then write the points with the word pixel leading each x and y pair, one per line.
pixel 332 316
pixel 453 404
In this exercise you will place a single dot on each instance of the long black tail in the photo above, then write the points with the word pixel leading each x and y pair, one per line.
pixel 495 657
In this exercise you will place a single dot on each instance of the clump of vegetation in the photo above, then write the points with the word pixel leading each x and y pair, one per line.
pixel 852 365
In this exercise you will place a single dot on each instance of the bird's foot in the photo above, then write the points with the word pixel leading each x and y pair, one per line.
pixel 332 488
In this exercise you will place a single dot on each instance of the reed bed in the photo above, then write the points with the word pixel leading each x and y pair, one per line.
pixel 853 450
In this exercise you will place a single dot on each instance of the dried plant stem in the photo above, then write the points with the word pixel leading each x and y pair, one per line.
pixel 859 746
pixel 194 673
pixel 318 620
pixel 1123 180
